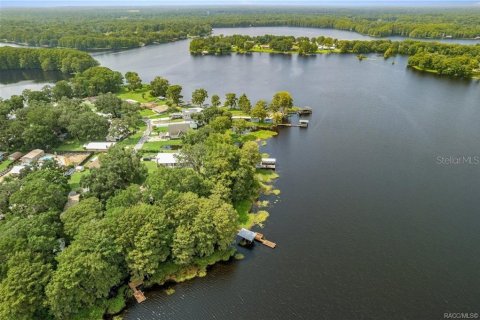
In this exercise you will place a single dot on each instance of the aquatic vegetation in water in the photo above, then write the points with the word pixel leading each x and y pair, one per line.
pixel 239 256
pixel 170 291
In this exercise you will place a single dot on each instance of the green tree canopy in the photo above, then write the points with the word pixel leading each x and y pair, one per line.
pixel 159 87
pixel 119 168
pixel 133 81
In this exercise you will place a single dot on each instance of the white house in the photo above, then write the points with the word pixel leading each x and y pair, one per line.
pixel 98 146
pixel 188 113
pixel 17 169
pixel 167 159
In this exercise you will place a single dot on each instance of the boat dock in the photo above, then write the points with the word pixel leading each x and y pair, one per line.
pixel 267 163
pixel 260 238
pixel 300 124
pixel 305 111
pixel 138 294
pixel 249 236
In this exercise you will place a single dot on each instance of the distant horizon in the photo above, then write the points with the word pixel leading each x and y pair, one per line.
pixel 235 3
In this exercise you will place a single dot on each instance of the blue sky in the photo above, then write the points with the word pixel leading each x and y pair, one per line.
pixel 51 3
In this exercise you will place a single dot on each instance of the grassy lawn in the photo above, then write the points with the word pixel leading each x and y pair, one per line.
pixel 263 134
pixel 5 164
pixel 74 181
pixel 151 166
pixel 70 145
pixel 142 95
pixel 155 146
pixel 253 136
pixel 147 113
pixel 160 129
pixel 235 112
pixel 132 139
pixel 157 116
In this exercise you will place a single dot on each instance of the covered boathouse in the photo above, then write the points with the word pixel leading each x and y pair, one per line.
pixel 247 236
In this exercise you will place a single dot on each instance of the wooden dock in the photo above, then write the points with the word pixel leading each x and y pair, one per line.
pixel 138 294
pixel 260 238
pixel 305 111
pixel 300 125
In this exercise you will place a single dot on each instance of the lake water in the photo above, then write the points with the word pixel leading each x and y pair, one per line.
pixel 166 59
pixel 372 222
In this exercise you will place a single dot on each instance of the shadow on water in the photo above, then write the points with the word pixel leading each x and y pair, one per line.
pixel 38 76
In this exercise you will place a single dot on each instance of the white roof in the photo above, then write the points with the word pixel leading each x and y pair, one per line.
pixel 98 145
pixel 166 158
pixel 269 160
pixel 192 110
pixel 247 234
pixel 17 169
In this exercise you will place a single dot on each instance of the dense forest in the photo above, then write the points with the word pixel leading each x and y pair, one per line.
pixel 453 60
pixel 118 28
pixel 64 60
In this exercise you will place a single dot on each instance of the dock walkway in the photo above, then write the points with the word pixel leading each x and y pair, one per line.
pixel 260 238
pixel 138 294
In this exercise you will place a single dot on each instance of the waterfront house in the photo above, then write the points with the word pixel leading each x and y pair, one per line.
pixel 176 115
pixel 176 130
pixel 32 156
pixel 167 159
pixel 98 146
pixel 188 113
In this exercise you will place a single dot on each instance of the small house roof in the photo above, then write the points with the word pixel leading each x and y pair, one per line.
pixel 269 160
pixel 17 169
pixel 34 154
pixel 15 155
pixel 247 234
pixel 177 128
pixel 192 110
pixel 98 145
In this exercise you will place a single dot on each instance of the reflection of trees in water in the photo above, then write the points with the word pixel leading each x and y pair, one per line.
pixel 13 76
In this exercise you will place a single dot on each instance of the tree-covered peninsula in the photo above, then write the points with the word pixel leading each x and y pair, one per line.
pixel 454 60
pixel 72 237
pixel 56 59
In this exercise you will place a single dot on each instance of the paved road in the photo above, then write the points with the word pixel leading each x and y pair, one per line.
pixel 145 136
